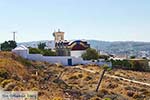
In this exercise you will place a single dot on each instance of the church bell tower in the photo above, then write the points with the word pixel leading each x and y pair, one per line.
pixel 59 36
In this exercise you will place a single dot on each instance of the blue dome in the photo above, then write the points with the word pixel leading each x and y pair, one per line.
pixel 75 41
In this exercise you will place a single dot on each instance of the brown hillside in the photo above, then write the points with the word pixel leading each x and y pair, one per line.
pixel 9 62
pixel 55 82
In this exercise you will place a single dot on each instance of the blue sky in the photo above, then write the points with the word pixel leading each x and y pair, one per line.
pixel 109 20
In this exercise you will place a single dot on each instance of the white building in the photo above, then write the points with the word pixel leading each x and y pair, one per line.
pixel 64 60
pixel 21 51
pixel 78 47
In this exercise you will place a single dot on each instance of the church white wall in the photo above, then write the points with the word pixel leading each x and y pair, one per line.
pixel 55 59
pixel 22 53
pixel 76 59
pixel 36 57
pixel 77 53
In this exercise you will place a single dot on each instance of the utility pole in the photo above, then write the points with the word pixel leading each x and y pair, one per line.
pixel 14 36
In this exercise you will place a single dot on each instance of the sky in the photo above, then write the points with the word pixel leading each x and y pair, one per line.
pixel 106 20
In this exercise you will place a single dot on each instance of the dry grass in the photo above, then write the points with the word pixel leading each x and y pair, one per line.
pixel 74 83
pixel 113 86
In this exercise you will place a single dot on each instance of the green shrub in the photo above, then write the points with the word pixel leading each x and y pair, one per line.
pixel 35 51
pixel 48 52
pixel 41 45
pixel 90 54
pixel 44 52
pixel 8 45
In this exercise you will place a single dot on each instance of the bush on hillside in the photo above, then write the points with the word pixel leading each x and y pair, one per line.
pixel 8 45
pixel 35 51
pixel 41 46
pixel 136 65
pixel 44 52
pixel 124 64
pixel 48 52
pixel 90 54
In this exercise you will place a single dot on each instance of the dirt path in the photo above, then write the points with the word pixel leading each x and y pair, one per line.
pixel 116 77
